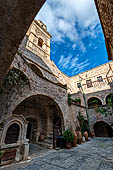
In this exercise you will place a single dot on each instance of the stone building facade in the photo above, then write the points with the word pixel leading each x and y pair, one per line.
pixel 96 84
pixel 14 27
pixel 34 96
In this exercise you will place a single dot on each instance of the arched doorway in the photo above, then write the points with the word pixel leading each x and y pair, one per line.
pixel 102 129
pixel 94 101
pixel 12 134
pixel 31 130
pixel 44 117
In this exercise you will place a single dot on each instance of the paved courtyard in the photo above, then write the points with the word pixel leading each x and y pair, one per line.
pixel 96 154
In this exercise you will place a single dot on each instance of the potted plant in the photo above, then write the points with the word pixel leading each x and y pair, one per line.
pixel 41 137
pixel 95 103
pixel 85 131
pixel 83 126
pixel 92 134
pixel 74 144
pixel 68 138
pixel 77 101
pixel 80 118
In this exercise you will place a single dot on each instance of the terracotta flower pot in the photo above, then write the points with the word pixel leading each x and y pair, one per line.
pixel 75 139
pixel 78 103
pixel 41 138
pixel 79 137
pixel 85 134
pixel 68 145
pixel 92 134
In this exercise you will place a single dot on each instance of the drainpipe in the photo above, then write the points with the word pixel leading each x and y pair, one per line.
pixel 54 130
pixel 84 98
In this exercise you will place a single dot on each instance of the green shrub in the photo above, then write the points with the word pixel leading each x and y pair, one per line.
pixel 69 99
pixel 77 100
pixel 1 153
pixel 68 135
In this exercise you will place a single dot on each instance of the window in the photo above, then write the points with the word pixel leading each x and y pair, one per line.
pixel 40 42
pixel 89 83
pixel 78 85
pixel 100 78
pixel 35 39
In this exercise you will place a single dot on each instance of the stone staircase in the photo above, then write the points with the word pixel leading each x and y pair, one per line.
pixel 48 142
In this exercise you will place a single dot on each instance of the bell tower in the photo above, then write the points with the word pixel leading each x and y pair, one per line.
pixel 38 39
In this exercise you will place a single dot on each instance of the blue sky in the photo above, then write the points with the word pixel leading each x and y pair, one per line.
pixel 78 42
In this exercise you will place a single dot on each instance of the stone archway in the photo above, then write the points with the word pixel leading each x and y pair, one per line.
pixel 109 99
pixel 44 117
pixel 94 101
pixel 102 129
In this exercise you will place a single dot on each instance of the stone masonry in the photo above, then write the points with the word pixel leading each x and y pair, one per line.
pixel 105 11
pixel 34 96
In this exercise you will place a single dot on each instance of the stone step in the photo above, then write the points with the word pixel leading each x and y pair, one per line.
pixel 49 137
pixel 46 145
pixel 50 141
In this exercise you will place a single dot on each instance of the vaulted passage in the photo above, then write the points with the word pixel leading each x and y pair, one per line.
pixel 102 129
pixel 45 120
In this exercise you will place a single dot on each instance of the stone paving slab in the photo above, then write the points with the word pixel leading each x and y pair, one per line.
pixel 106 165
pixel 96 154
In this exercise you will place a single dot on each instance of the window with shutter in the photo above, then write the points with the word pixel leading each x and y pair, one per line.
pixel 89 83
pixel 100 78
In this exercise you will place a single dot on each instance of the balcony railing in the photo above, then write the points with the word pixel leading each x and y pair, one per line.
pixel 106 81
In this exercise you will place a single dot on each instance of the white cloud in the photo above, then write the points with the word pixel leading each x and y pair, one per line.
pixel 82 47
pixel 79 67
pixel 64 62
pixel 63 16
pixel 73 64
pixel 74 46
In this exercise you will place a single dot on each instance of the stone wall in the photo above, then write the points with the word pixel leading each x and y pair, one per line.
pixel 95 117
pixel 105 11
pixel 100 95
pixel 105 70
pixel 13 28
pixel 38 86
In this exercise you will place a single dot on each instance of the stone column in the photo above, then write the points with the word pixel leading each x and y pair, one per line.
pixel 26 150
